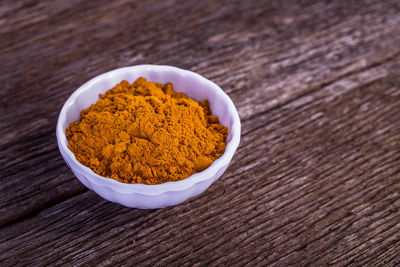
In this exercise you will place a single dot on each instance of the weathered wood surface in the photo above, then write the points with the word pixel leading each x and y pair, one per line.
pixel 316 179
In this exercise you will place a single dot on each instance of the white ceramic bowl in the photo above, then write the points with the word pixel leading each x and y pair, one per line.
pixel 140 195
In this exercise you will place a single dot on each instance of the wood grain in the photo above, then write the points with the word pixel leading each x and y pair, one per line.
pixel 315 181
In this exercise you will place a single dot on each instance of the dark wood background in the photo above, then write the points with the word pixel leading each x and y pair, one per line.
pixel 315 181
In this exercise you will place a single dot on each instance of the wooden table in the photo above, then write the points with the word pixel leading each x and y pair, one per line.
pixel 316 178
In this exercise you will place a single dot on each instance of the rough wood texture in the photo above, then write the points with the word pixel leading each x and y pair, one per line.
pixel 316 179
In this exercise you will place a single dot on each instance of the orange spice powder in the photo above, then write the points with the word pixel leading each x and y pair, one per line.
pixel 147 133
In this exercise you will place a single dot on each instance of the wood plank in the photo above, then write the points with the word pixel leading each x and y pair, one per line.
pixel 273 61
pixel 315 181
pixel 286 202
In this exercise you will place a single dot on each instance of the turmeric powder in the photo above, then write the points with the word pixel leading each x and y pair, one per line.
pixel 146 133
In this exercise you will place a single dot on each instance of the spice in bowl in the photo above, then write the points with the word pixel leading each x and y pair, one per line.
pixel 147 133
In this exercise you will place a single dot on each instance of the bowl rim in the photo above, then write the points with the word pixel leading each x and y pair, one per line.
pixel 144 188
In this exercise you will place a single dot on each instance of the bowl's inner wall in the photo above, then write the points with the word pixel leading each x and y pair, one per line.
pixel 198 89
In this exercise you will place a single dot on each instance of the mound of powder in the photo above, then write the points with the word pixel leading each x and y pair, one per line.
pixel 147 133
